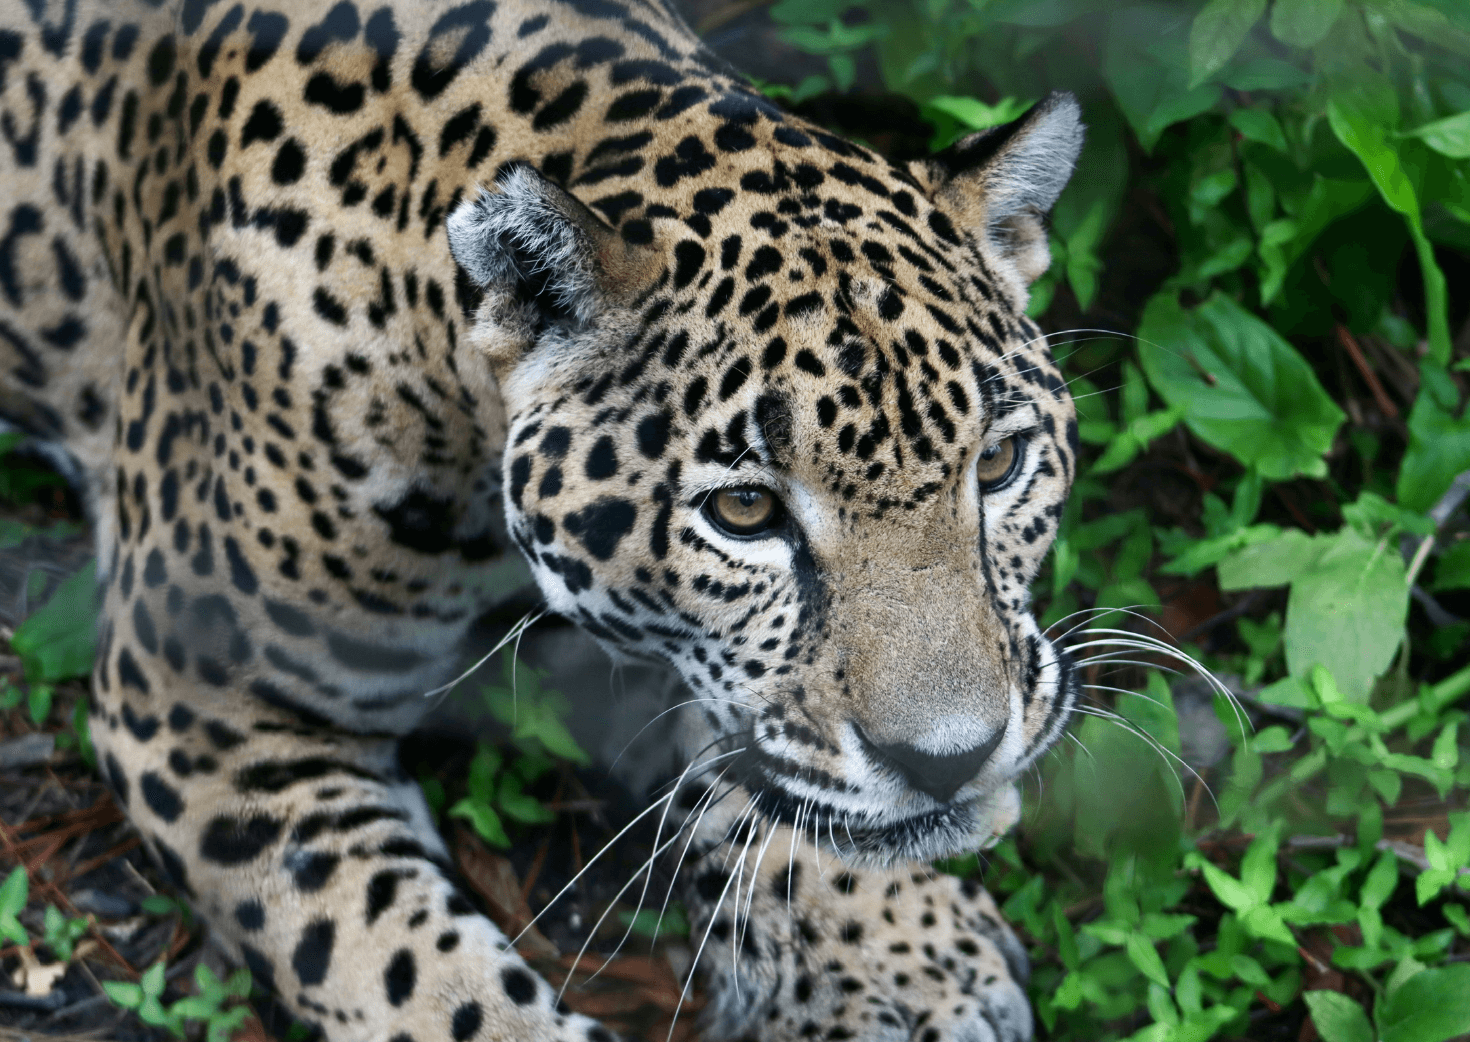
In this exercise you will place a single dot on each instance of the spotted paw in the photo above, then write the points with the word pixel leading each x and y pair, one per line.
pixel 809 948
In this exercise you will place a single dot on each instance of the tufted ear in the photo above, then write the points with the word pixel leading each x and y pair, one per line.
pixel 1000 183
pixel 544 249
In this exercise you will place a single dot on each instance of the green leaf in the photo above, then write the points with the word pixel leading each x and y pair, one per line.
pixel 57 642
pixel 1430 1006
pixel 1363 119
pixel 1303 23
pixel 1259 125
pixel 1273 562
pixel 1217 33
pixel 128 996
pixel 13 896
pixel 1439 441
pixel 1229 890
pixel 1348 610
pixel 1337 1017
pixel 1143 954
pixel 520 807
pixel 153 980
pixel 1449 136
pixel 483 820
pixel 1241 387
pixel 1382 880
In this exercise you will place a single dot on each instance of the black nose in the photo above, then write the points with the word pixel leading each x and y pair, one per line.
pixel 938 776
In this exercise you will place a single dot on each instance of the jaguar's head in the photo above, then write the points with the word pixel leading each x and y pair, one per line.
pixel 788 428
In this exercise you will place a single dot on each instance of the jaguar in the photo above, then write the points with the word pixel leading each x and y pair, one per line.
pixel 330 309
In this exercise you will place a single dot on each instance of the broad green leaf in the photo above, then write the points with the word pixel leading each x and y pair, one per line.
pixel 1143 954
pixel 954 116
pixel 1338 1018
pixel 1271 562
pixel 1217 33
pixel 1258 866
pixel 1363 119
pixel 57 642
pixel 1348 611
pixel 1449 136
pixel 1242 387
pixel 1431 1006
pixel 1303 23
pixel 517 805
pixel 483 819
pixel 153 980
pixel 1382 879
pixel 1259 125
pixel 1229 890
pixel 1439 441
pixel 128 996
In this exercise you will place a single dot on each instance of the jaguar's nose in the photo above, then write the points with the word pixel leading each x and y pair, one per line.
pixel 937 775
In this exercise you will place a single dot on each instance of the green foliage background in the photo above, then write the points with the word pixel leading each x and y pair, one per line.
pixel 1309 164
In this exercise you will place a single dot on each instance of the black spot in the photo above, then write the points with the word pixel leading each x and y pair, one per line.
pixel 231 841
pixel 311 871
pixel 602 461
pixel 250 914
pixel 653 434
pixel 519 985
pixel 602 525
pixel 420 521
pixel 340 98
pixel 161 798
pixel 290 163
pixel 264 124
pixel 466 1022
pixel 128 672
pixel 313 952
pixel 688 259
pixel 399 977
pixel 471 24
pixel 161 61
pixel 240 572
pixel 381 890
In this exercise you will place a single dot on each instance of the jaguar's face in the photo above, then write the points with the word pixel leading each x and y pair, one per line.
pixel 814 471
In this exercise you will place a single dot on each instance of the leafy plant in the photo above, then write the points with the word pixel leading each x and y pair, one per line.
pixel 207 1006
pixel 58 642
pixel 62 933
pixel 496 783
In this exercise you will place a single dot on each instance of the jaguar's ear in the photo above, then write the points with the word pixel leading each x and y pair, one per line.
pixel 1000 183
pixel 542 249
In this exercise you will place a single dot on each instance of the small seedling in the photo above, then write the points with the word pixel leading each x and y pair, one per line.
pixel 145 998
pixel 63 933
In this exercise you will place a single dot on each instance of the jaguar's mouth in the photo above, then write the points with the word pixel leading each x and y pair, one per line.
pixel 955 828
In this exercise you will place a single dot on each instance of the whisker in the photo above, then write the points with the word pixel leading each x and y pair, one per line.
pixel 528 620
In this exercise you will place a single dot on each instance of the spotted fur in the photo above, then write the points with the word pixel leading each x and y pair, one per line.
pixel 327 304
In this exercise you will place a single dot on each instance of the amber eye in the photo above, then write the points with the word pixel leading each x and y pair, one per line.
pixel 743 511
pixel 999 464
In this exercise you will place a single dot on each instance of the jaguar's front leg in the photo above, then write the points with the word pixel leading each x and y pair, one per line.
pixel 798 943
pixel 317 859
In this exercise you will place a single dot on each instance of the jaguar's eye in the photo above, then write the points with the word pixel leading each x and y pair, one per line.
pixel 999 464
pixel 743 511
